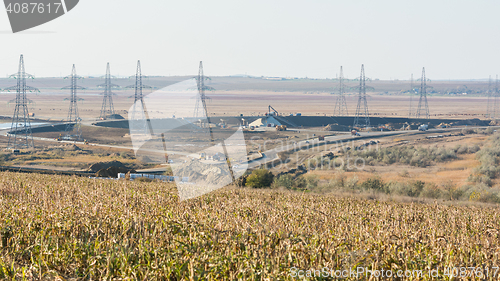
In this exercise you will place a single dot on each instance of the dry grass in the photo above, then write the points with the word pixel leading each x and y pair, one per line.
pixel 76 228
pixel 454 170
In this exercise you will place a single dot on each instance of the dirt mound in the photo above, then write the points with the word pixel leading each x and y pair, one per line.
pixel 104 165
pixel 200 172
pixel 112 172
pixel 336 127
pixel 73 147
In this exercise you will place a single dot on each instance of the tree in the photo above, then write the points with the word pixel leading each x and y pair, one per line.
pixel 260 178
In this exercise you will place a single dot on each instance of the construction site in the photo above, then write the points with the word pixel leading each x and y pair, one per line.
pixel 56 127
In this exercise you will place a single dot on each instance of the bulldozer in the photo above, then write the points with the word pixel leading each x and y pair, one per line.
pixel 444 125
pixel 406 126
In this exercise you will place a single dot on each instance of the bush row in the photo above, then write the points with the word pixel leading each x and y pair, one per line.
pixel 489 157
pixel 410 155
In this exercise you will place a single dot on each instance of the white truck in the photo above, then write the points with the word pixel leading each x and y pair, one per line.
pixel 423 127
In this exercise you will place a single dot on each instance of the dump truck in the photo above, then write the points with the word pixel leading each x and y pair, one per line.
pixel 281 128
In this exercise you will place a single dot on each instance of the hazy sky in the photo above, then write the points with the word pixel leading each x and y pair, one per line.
pixel 393 38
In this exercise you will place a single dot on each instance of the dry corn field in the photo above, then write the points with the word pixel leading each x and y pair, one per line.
pixel 71 228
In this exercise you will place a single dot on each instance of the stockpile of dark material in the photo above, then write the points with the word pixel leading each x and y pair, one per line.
pixel 109 169
pixel 322 121
pixel 114 117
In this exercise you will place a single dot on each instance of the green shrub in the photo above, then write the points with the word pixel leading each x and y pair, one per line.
pixel 431 190
pixel 410 155
pixel 260 178
pixel 482 193
pixel 414 188
pixel 374 184
pixel 467 131
pixel 286 181
pixel 310 181
pixel 451 192
pixel 489 131
pixel 489 157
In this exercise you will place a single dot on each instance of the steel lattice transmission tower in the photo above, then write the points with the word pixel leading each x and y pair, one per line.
pixel 21 135
pixel 201 99
pixel 422 103
pixel 494 110
pixel 139 86
pixel 489 110
pixel 107 108
pixel 341 104
pixel 362 118
pixel 73 115
pixel 139 108
pixel 412 91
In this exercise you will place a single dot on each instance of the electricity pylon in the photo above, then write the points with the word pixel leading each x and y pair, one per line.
pixel 494 110
pixel 107 108
pixel 488 105
pixel 201 98
pixel 20 134
pixel 422 103
pixel 412 92
pixel 341 104
pixel 73 115
pixel 362 118
pixel 139 113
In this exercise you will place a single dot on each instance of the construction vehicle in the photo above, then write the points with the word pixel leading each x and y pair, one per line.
pixel 406 126
pixel 355 133
pixel 272 111
pixel 281 128
pixel 444 125
pixel 423 127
